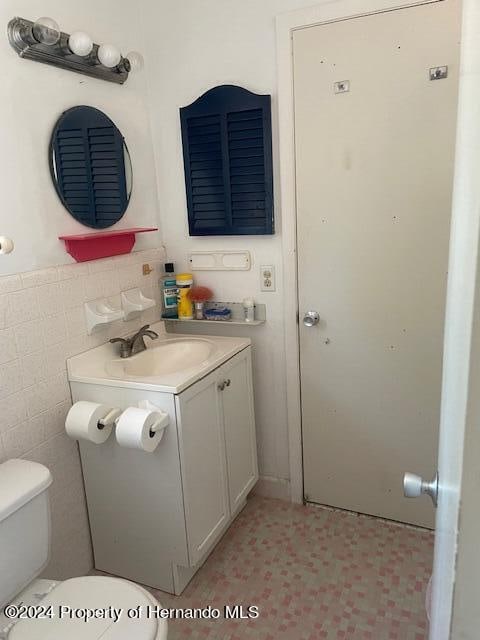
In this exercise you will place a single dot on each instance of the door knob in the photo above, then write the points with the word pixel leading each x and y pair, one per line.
pixel 311 318
pixel 414 486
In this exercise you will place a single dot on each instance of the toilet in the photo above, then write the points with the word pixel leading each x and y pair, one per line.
pixel 24 554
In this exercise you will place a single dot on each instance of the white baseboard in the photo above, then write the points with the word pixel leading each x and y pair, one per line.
pixel 270 487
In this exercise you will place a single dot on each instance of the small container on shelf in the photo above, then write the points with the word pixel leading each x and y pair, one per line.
pixel 218 313
pixel 199 295
pixel 249 309
pixel 169 291
pixel 185 305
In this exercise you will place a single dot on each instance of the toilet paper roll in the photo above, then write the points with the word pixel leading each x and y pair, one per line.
pixel 82 422
pixel 134 429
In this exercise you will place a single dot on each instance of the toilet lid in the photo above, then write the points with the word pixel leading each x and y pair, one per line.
pixel 94 593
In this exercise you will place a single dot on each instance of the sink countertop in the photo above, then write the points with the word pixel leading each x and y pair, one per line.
pixel 98 365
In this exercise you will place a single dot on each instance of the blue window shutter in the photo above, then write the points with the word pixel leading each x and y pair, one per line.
pixel 90 167
pixel 227 152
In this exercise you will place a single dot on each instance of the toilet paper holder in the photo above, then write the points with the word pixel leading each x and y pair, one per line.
pixel 94 422
pixel 110 419
pixel 114 414
pixel 159 425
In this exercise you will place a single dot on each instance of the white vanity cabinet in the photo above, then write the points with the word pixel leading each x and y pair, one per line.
pixel 155 517
pixel 216 432
pixel 236 401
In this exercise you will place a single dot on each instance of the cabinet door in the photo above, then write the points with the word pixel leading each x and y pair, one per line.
pixel 202 460
pixel 239 425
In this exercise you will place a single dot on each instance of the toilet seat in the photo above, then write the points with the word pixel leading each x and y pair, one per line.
pixel 94 592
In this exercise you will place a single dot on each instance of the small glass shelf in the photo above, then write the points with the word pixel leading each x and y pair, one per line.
pixel 229 323
pixel 237 317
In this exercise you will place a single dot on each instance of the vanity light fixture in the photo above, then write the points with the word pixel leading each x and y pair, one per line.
pixel 136 60
pixel 6 245
pixel 46 31
pixel 109 55
pixel 43 41
pixel 80 43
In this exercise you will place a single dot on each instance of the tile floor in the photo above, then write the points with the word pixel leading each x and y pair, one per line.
pixel 314 573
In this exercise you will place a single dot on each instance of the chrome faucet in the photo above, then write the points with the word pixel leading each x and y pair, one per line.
pixel 136 343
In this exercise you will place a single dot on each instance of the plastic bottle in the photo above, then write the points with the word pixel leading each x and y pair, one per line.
pixel 169 291
pixel 185 305
pixel 249 309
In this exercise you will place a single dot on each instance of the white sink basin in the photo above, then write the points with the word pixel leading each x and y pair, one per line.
pixel 170 364
pixel 170 356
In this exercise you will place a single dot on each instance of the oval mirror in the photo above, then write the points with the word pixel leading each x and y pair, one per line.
pixel 90 167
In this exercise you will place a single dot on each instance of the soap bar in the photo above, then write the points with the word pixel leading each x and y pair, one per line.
pixel 220 313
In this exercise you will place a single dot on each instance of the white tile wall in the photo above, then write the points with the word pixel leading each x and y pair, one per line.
pixel 42 323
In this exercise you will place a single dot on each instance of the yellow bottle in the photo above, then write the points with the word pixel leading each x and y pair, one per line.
pixel 185 305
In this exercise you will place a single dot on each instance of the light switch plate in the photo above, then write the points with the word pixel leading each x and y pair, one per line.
pixel 267 278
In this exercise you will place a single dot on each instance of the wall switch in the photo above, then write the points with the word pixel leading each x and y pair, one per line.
pixel 267 278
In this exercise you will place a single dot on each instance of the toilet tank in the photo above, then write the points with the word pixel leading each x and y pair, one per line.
pixel 24 525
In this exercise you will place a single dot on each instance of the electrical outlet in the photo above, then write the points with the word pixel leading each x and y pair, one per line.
pixel 267 278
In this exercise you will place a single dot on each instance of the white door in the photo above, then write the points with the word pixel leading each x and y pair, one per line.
pixel 455 612
pixel 374 159
pixel 236 397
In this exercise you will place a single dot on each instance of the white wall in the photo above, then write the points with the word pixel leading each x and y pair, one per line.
pixel 190 47
pixel 32 97
pixel 42 323
pixel 41 306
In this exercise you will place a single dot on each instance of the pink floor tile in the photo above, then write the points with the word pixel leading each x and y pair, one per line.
pixel 314 573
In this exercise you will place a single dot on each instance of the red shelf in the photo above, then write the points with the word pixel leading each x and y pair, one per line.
pixel 102 244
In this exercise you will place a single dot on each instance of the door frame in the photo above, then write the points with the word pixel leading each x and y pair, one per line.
pixel 286 23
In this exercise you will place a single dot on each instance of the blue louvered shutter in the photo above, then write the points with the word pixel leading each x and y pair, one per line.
pixel 89 167
pixel 227 151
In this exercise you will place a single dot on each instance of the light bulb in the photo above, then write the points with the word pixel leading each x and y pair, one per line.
pixel 109 55
pixel 6 245
pixel 46 31
pixel 136 60
pixel 80 43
